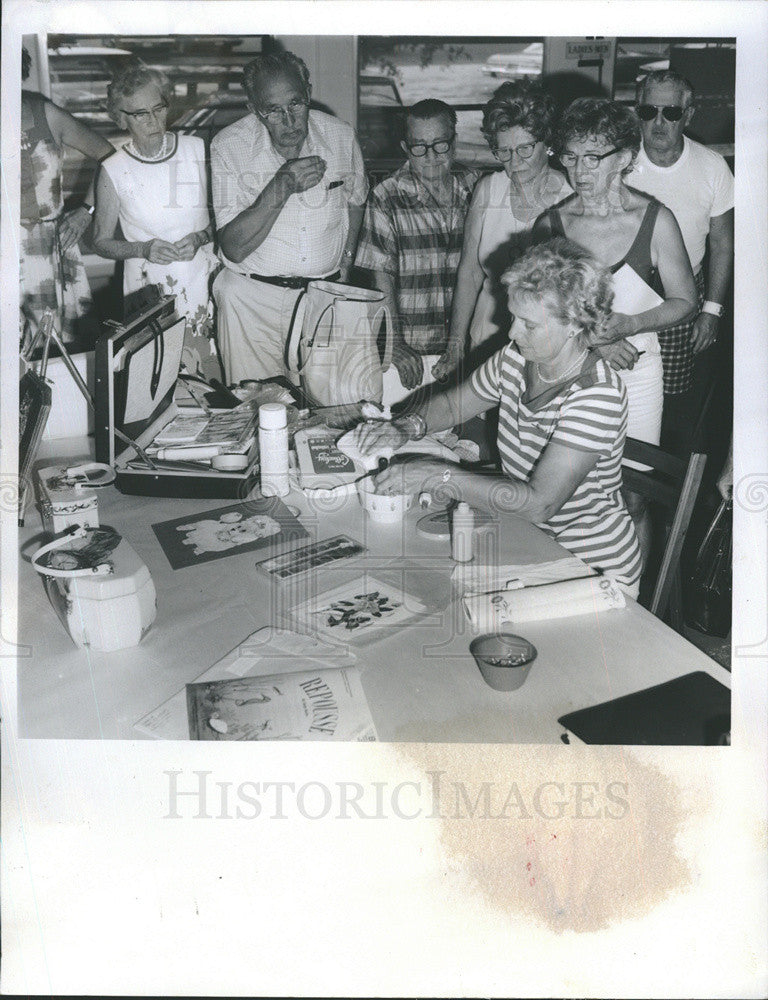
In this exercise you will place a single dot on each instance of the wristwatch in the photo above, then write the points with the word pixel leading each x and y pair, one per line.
pixel 713 308
pixel 90 209
pixel 414 425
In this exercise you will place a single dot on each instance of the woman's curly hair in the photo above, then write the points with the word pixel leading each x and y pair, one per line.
pixel 519 102
pixel 132 77
pixel 597 117
pixel 579 288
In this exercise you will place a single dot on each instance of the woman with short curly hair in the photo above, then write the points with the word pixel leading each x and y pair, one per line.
pixel 562 417
pixel 517 124
pixel 597 142
pixel 155 186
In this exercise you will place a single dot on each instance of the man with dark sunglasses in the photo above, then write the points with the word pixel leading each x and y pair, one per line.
pixel 412 236
pixel 696 184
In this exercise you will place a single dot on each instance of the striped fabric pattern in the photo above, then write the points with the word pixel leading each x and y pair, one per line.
pixel 589 414
pixel 407 234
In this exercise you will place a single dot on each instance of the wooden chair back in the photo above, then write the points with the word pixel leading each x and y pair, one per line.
pixel 674 484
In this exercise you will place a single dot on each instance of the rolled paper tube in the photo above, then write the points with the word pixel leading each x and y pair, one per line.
pixel 487 612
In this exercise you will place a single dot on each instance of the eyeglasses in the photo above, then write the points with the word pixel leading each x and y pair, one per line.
pixel 672 112
pixel 293 109
pixel 439 146
pixel 524 151
pixel 590 160
pixel 144 116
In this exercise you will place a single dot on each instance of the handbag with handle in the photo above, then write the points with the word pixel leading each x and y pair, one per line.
pixel 333 343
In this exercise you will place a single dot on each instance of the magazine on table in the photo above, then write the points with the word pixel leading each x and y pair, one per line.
pixel 321 704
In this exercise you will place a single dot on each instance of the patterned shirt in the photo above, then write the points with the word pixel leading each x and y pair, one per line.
pixel 407 233
pixel 309 235
pixel 587 414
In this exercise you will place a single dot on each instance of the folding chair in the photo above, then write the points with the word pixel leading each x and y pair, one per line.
pixel 673 484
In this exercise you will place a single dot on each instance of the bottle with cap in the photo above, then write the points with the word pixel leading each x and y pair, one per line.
pixel 273 449
pixel 463 525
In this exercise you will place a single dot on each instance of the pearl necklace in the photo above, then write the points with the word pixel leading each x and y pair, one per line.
pixel 131 147
pixel 559 378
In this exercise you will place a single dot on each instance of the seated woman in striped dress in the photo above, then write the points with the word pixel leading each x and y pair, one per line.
pixel 562 416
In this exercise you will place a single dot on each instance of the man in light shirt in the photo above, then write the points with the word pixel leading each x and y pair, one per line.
pixel 696 184
pixel 289 191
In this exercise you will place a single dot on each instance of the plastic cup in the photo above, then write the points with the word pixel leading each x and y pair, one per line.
pixel 504 659
pixel 383 508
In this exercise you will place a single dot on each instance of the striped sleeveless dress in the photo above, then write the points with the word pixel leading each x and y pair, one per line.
pixel 588 413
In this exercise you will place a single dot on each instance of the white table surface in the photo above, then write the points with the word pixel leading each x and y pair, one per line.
pixel 422 684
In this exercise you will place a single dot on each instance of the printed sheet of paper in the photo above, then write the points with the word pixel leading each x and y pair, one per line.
pixel 632 295
pixel 214 534
pixel 365 608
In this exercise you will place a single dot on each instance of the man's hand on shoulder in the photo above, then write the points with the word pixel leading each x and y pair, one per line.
pixel 301 174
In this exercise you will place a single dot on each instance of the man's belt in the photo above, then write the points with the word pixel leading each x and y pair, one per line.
pixel 292 282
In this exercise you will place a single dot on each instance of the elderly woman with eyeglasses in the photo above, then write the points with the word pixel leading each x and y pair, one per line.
pixel 517 124
pixel 597 142
pixel 155 187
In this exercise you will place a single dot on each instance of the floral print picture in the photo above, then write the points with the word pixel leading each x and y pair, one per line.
pixel 364 606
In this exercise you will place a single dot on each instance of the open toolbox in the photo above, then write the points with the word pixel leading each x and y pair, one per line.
pixel 137 367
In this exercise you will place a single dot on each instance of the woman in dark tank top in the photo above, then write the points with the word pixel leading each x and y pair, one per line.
pixel 597 142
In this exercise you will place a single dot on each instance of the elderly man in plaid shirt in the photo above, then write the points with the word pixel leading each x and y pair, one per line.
pixel 412 235
pixel 696 184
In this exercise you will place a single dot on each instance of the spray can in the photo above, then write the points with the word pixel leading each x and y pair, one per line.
pixel 273 449
pixel 463 526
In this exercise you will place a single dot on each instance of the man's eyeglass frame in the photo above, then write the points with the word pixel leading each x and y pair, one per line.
pixel 671 112
pixel 290 111
pixel 423 147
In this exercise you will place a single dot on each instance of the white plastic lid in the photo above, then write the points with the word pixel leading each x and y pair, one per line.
pixel 272 416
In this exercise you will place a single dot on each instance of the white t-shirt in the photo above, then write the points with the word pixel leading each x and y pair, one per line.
pixel 697 187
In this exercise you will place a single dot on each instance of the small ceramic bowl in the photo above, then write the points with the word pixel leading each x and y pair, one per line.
pixel 504 659
pixel 383 508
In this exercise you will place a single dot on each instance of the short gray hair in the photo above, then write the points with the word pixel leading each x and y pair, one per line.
pixel 665 76
pixel 271 66
pixel 131 78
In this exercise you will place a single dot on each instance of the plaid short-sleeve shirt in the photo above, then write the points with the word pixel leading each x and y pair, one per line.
pixel 409 235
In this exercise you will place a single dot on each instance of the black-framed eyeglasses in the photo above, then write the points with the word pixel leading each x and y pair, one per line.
pixel 590 160
pixel 524 151
pixel 438 146
pixel 672 112
pixel 276 114
pixel 144 115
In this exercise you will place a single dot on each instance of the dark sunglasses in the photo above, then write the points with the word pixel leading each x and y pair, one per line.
pixel 672 112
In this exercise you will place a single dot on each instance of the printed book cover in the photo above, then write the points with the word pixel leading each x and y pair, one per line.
pixel 320 704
